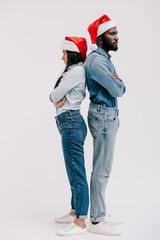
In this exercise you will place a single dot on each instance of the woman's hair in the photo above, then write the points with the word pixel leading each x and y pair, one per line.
pixel 72 58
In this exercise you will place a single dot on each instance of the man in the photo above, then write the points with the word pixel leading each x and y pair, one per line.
pixel 104 86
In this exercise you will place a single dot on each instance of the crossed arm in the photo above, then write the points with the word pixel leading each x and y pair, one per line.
pixel 70 80
pixel 60 103
pixel 100 72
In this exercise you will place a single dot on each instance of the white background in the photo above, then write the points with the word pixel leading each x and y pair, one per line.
pixel 33 184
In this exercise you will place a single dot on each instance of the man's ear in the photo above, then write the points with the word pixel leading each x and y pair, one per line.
pixel 99 40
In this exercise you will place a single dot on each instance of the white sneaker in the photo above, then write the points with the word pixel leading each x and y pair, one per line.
pixel 68 218
pixel 71 229
pixel 114 221
pixel 104 228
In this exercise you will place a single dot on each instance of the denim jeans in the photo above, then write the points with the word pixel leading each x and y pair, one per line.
pixel 73 132
pixel 103 124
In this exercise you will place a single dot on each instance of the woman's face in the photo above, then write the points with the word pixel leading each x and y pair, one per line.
pixel 64 56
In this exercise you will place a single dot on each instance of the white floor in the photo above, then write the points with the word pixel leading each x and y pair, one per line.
pixel 34 190
pixel 140 223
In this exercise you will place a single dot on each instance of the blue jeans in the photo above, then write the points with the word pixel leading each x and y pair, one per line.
pixel 103 124
pixel 73 132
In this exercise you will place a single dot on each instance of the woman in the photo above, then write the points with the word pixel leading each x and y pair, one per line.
pixel 67 96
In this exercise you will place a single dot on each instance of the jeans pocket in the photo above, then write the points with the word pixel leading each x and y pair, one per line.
pixel 94 125
pixel 81 127
pixel 62 126
pixel 111 118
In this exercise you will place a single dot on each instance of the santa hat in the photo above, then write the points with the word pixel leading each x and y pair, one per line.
pixel 75 44
pixel 98 27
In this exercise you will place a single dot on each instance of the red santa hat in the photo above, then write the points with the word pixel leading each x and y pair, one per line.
pixel 98 27
pixel 75 44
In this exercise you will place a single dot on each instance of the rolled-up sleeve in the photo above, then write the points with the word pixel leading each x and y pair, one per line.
pixel 101 73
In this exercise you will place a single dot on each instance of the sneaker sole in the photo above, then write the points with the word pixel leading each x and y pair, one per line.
pixel 62 222
pixel 81 233
pixel 108 234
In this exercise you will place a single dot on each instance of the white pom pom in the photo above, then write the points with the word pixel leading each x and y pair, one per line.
pixel 93 47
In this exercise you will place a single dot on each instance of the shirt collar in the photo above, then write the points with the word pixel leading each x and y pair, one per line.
pixel 76 64
pixel 102 52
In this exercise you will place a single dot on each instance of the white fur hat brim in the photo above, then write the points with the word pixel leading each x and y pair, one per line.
pixel 70 46
pixel 105 27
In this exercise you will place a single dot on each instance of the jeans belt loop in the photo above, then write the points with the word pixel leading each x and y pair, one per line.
pixel 116 113
pixel 99 108
pixel 57 120
pixel 69 112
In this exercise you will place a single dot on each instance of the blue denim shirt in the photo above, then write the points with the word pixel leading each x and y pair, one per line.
pixel 103 88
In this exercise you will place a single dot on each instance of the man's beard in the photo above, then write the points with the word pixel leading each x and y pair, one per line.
pixel 107 46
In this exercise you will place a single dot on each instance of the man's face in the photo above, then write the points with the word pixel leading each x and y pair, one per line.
pixel 110 40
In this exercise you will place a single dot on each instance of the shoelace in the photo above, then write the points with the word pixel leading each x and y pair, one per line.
pixel 108 214
pixel 72 225
pixel 67 215
pixel 69 227
pixel 109 224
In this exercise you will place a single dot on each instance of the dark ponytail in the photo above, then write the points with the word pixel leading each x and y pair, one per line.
pixel 73 58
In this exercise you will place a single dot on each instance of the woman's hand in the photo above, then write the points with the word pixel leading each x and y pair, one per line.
pixel 59 103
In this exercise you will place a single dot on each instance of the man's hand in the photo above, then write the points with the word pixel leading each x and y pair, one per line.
pixel 59 103
pixel 115 76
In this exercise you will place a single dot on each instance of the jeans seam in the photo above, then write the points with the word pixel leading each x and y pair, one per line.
pixel 94 133
pixel 97 185
pixel 77 191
